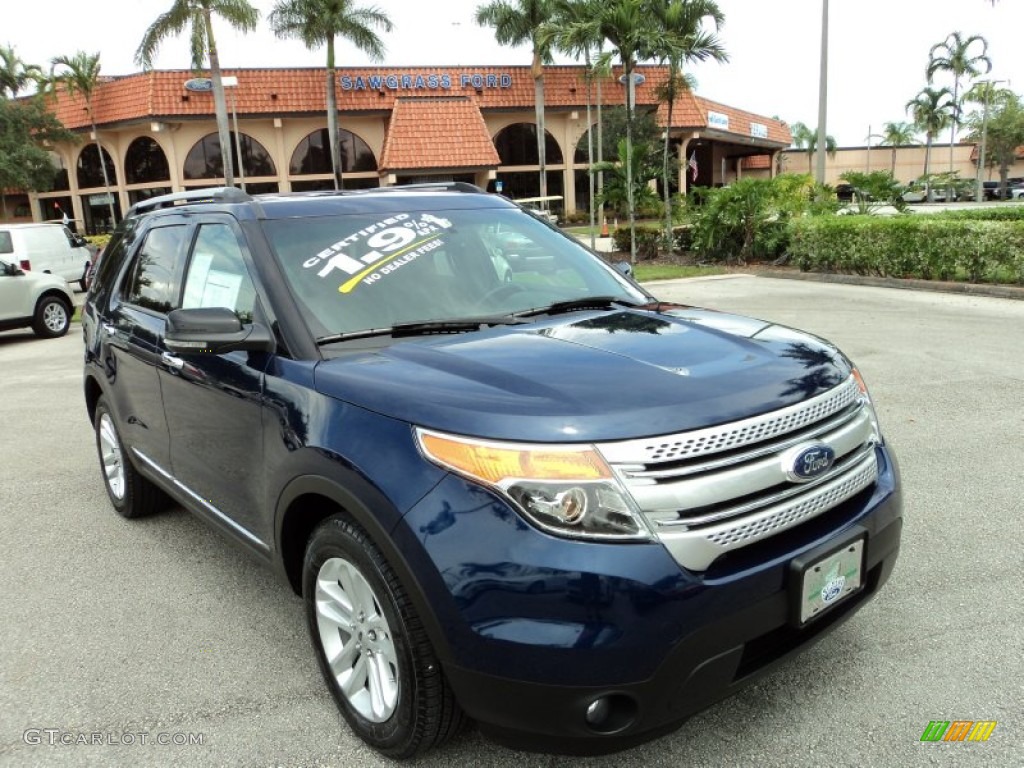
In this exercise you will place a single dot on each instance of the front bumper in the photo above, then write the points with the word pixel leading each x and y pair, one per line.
pixel 539 628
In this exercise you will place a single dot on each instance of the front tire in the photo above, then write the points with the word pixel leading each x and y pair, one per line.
pixel 131 494
pixel 52 318
pixel 371 646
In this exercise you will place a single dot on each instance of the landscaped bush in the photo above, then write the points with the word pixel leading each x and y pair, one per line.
pixel 647 240
pixel 994 213
pixel 929 247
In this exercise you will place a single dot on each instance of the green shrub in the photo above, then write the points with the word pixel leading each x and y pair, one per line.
pixel 647 240
pixel 929 247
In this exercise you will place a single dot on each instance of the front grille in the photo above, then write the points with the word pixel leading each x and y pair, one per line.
pixel 714 490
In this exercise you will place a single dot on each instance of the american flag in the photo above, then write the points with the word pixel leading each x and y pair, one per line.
pixel 693 165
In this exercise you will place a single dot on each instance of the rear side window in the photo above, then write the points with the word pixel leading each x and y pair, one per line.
pixel 151 280
pixel 6 246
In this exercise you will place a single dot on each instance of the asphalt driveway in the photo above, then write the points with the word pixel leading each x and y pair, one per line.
pixel 136 632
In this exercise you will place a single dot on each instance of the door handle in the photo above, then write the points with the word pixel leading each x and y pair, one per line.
pixel 173 362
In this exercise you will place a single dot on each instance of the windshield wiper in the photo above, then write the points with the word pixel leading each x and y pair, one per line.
pixel 424 328
pixel 576 305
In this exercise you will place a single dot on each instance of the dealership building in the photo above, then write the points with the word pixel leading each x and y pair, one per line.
pixel 398 125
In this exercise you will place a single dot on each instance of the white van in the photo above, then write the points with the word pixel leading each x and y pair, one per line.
pixel 51 248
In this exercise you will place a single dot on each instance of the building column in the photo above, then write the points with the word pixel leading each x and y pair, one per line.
pixel 284 184
pixel 684 159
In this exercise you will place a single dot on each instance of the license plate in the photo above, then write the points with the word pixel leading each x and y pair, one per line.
pixel 830 580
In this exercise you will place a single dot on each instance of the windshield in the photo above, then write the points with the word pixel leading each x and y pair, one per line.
pixel 373 271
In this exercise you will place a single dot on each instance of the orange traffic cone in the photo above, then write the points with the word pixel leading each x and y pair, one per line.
pixel 604 228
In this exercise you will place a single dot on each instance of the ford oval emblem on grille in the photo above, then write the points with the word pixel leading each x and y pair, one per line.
pixel 807 461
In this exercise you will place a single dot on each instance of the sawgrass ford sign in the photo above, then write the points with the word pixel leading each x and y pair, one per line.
pixel 420 82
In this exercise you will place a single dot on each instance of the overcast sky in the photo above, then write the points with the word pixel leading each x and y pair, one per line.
pixel 878 49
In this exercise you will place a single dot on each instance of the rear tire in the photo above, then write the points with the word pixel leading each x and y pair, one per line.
pixel 131 494
pixel 52 317
pixel 371 646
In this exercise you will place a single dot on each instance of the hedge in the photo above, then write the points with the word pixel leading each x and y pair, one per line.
pixel 942 247
pixel 649 240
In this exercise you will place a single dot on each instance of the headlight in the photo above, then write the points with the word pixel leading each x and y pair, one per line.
pixel 565 489
pixel 869 405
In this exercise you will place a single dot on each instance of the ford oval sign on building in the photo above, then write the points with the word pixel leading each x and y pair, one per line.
pixel 808 461
pixel 199 84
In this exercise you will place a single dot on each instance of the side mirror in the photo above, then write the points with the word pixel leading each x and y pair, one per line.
pixel 214 331
pixel 624 267
pixel 78 241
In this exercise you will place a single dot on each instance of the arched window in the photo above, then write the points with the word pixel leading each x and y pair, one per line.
pixel 313 154
pixel 204 160
pixel 89 172
pixel 60 173
pixel 580 157
pixel 517 145
pixel 145 162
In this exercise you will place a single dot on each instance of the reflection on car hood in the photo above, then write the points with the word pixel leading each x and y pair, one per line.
pixel 589 376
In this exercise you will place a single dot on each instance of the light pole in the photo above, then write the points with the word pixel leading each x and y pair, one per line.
pixel 822 94
pixel 232 82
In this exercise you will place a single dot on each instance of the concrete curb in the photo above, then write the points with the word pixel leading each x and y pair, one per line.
pixel 970 289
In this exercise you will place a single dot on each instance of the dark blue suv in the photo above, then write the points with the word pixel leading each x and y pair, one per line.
pixel 508 483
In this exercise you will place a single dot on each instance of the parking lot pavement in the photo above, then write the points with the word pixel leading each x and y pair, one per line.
pixel 159 627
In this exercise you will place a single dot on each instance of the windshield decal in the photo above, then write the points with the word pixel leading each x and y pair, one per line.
pixel 393 243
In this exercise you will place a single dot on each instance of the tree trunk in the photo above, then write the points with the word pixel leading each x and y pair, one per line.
pixel 590 153
pixel 810 157
pixel 538 99
pixel 103 165
pixel 332 117
pixel 106 180
pixel 220 104
pixel 664 166
pixel 600 149
pixel 892 169
pixel 927 159
pixel 628 68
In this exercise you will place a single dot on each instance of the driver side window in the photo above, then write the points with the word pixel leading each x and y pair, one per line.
pixel 217 276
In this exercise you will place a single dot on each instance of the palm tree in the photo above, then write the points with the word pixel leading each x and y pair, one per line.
pixel 686 41
pixel 574 30
pixel 895 134
pixel 81 74
pixel 515 23
pixel 954 56
pixel 15 74
pixel 630 28
pixel 805 138
pixel 197 16
pixel 320 22
pixel 932 110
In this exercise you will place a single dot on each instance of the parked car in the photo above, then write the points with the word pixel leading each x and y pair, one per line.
pixel 34 299
pixel 51 248
pixel 917 192
pixel 552 504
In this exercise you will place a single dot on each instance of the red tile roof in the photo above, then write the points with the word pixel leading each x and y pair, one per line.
pixel 161 94
pixel 437 132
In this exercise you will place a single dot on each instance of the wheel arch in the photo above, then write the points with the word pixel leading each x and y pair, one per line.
pixel 309 500
pixel 54 293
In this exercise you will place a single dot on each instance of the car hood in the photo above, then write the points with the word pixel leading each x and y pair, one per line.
pixel 591 376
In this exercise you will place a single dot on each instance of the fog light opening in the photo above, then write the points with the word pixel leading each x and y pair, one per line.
pixel 610 714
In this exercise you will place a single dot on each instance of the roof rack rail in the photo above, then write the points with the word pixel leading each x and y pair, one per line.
pixel 210 195
pixel 450 186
